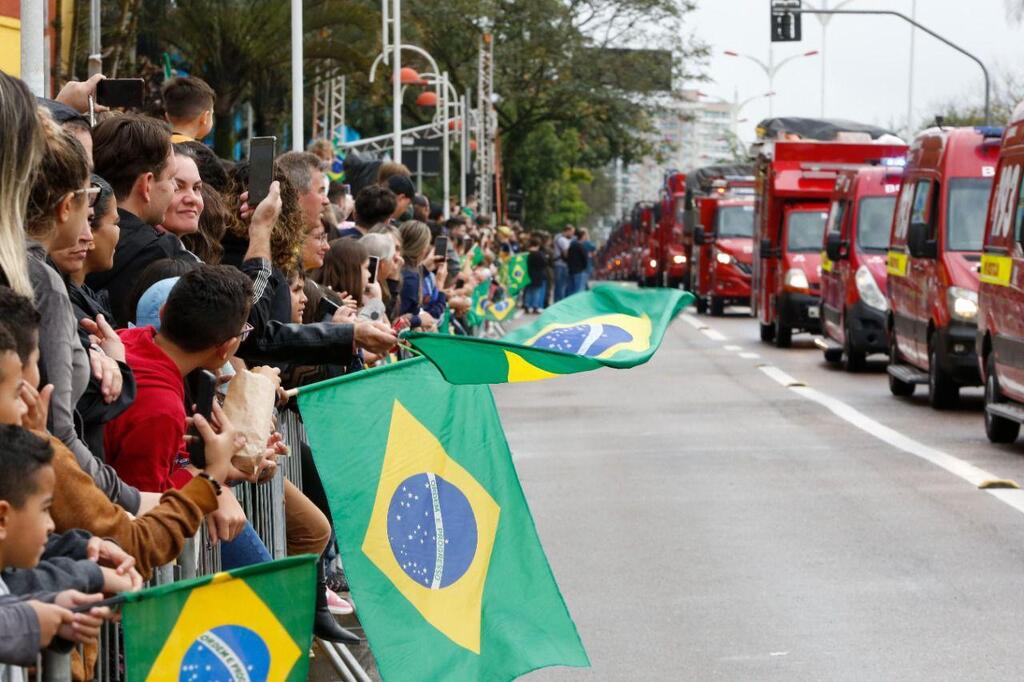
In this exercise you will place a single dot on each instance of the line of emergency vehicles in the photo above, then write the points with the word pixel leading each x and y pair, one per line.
pixel 871 245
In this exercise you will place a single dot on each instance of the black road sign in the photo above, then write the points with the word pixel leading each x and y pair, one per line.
pixel 786 25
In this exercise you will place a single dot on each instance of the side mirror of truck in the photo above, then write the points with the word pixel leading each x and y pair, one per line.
pixel 834 246
pixel 766 248
pixel 700 238
pixel 918 243
pixel 689 220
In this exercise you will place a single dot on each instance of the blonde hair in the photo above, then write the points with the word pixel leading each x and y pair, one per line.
pixel 415 238
pixel 21 148
pixel 64 168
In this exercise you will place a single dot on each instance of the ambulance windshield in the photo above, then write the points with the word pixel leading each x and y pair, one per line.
pixel 735 221
pixel 965 213
pixel 874 219
pixel 805 230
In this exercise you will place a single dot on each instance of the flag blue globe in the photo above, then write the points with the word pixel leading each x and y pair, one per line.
pixel 584 339
pixel 432 530
pixel 225 654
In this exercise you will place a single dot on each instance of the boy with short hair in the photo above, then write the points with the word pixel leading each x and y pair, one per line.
pixel 30 622
pixel 188 107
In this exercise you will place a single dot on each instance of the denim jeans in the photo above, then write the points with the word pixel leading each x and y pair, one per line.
pixel 245 550
pixel 561 281
pixel 534 296
pixel 577 283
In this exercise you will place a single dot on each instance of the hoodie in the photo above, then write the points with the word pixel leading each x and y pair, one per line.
pixel 146 443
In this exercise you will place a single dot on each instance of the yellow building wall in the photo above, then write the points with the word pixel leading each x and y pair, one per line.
pixel 10 46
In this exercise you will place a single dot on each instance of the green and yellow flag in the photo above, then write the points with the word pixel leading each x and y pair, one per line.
pixel 437 540
pixel 515 276
pixel 252 623
pixel 608 326
pixel 480 299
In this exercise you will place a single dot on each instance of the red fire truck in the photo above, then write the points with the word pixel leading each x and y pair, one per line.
pixel 853 304
pixel 934 258
pixel 723 237
pixel 644 226
pixel 798 163
pixel 1000 340
pixel 673 263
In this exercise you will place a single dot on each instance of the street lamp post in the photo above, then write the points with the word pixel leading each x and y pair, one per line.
pixel 771 68
pixel 738 106
pixel 298 141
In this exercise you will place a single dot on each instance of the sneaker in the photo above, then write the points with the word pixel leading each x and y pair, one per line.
pixel 338 606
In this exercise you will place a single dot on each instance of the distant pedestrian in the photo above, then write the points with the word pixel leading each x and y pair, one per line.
pixel 576 260
pixel 537 266
pixel 562 243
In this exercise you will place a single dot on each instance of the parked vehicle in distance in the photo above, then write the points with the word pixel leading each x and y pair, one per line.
pixel 722 216
pixel 933 262
pixel 794 183
pixel 1000 338
pixel 853 303
pixel 666 248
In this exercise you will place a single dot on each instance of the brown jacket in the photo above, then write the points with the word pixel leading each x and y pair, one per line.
pixel 154 539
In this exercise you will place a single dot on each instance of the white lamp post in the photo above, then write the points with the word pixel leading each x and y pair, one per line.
pixel 771 68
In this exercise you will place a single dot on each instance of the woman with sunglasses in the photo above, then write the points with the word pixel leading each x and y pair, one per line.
pixel 58 213
pixel 94 252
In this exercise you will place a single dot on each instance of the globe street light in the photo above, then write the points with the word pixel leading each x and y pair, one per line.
pixel 770 68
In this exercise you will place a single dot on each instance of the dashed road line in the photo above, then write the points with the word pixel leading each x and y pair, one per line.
pixel 749 356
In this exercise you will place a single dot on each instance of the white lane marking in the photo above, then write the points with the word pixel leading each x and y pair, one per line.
pixel 713 334
pixel 733 348
pixel 749 356
pixel 694 321
pixel 954 465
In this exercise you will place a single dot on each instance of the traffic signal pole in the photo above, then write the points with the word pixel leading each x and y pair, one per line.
pixel 914 23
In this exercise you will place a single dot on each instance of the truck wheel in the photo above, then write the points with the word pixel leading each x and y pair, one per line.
pixel 783 335
pixel 998 429
pixel 702 305
pixel 897 387
pixel 943 392
pixel 833 355
pixel 767 332
pixel 853 360
pixel 717 307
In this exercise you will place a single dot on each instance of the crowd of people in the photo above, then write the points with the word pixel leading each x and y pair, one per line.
pixel 132 265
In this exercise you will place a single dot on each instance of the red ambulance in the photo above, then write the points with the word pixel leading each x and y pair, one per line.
pixel 1000 340
pixel 798 163
pixel 934 259
pixel 723 238
pixel 853 258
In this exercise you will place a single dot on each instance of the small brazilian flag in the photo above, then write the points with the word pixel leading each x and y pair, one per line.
pixel 499 311
pixel 608 326
pixel 435 535
pixel 252 623
pixel 515 273
pixel 480 299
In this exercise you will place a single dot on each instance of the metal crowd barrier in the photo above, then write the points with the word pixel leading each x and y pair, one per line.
pixel 264 507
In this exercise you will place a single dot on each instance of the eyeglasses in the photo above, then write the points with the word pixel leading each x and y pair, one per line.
pixel 244 334
pixel 92 193
pixel 323 237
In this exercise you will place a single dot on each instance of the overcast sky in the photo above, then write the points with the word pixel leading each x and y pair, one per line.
pixel 867 58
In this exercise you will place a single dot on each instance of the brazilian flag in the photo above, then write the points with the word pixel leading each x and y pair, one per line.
pixel 437 540
pixel 608 326
pixel 480 300
pixel 516 275
pixel 252 623
pixel 499 311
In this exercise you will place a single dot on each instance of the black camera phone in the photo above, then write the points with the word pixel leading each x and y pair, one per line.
pixel 127 93
pixel 326 308
pixel 441 247
pixel 202 391
pixel 261 168
pixel 373 265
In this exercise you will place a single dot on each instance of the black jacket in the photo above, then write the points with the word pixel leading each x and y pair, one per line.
pixel 140 244
pixel 576 258
pixel 274 339
pixel 537 267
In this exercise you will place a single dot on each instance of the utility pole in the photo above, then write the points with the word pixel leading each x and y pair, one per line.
pixel 95 39
pixel 910 76
pixel 396 80
pixel 33 28
pixel 298 133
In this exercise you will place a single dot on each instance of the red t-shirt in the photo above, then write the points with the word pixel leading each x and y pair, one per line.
pixel 146 443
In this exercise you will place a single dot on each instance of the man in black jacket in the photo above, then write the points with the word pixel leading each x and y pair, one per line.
pixel 133 153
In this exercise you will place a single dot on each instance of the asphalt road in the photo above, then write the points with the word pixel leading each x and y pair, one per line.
pixel 707 522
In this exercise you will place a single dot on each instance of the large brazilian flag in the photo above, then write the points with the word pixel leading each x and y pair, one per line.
pixel 252 623
pixel 438 544
pixel 608 326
